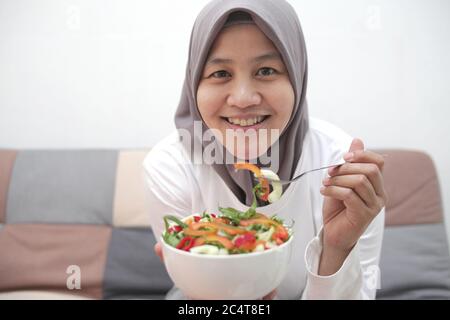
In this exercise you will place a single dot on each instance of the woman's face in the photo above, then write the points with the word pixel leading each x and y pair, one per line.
pixel 245 88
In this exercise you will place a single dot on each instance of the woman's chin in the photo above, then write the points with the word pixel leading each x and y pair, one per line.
pixel 246 153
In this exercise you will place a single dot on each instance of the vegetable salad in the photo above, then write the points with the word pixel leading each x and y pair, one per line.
pixel 231 231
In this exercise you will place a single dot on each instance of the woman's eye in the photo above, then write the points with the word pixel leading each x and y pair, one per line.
pixel 220 74
pixel 266 72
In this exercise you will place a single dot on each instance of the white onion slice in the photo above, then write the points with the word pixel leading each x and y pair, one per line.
pixel 277 188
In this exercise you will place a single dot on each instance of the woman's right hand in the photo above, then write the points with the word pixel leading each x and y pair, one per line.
pixel 159 253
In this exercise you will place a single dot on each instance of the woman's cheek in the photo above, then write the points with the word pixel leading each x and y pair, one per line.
pixel 282 101
pixel 206 103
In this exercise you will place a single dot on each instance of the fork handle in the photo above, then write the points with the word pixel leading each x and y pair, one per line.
pixel 333 165
pixel 308 171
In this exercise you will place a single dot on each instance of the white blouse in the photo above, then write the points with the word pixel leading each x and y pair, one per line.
pixel 179 187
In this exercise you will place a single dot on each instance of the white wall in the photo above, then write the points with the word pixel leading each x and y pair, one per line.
pixel 108 74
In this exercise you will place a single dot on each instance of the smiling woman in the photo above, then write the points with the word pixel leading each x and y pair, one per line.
pixel 247 73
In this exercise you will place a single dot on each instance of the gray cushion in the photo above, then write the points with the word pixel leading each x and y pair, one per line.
pixel 133 271
pixel 62 186
pixel 415 263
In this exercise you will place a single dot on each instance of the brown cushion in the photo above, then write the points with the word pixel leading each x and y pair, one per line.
pixel 413 188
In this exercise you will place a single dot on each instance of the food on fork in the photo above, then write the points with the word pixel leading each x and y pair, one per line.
pixel 263 175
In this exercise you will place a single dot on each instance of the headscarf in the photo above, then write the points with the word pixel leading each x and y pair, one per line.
pixel 278 20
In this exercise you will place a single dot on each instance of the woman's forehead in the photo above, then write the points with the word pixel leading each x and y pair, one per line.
pixel 246 41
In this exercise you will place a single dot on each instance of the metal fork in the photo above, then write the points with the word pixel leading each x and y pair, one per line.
pixel 302 174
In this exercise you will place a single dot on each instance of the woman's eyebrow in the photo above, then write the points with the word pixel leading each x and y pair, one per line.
pixel 263 57
pixel 268 56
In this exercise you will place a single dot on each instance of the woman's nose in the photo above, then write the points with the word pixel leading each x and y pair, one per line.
pixel 243 95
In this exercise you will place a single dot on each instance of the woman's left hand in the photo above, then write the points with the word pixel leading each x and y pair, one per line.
pixel 354 195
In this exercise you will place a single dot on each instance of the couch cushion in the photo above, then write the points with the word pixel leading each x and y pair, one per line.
pixel 40 257
pixel 7 158
pixel 62 187
pixel 412 187
pixel 415 263
pixel 130 206
pixel 133 271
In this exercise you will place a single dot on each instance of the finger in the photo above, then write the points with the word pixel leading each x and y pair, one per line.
pixel 365 157
pixel 359 183
pixel 356 144
pixel 271 295
pixel 346 195
pixel 370 170
pixel 158 251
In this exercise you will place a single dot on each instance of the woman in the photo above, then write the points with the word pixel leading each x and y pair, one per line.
pixel 247 70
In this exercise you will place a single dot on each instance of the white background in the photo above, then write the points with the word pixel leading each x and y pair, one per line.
pixel 108 74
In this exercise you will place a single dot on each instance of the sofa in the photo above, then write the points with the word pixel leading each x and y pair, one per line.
pixel 67 213
pixel 415 261
pixel 74 224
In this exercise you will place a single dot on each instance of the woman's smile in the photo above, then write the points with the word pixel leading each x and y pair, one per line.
pixel 246 122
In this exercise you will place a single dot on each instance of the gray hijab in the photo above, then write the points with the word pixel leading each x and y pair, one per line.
pixel 279 22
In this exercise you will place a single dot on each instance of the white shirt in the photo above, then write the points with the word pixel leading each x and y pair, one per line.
pixel 179 187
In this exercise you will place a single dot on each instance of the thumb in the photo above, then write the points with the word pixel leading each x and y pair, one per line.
pixel 357 144
pixel 158 251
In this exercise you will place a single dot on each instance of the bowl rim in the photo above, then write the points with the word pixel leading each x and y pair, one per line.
pixel 225 256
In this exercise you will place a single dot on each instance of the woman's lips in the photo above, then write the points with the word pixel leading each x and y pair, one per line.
pixel 256 126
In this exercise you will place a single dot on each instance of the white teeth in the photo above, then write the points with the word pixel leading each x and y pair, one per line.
pixel 246 122
pixel 234 121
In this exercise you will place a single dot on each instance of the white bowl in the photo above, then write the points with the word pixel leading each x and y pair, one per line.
pixel 248 276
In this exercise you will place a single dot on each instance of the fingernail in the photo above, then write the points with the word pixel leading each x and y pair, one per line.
pixel 330 171
pixel 322 189
pixel 326 181
pixel 348 156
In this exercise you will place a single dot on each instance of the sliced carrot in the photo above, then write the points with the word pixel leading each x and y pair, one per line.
pixel 263 181
pixel 248 166
pixel 232 230
pixel 197 233
pixel 278 241
pixel 263 221
pixel 198 225
pixel 220 220
pixel 280 233
pixel 222 240
pixel 199 241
